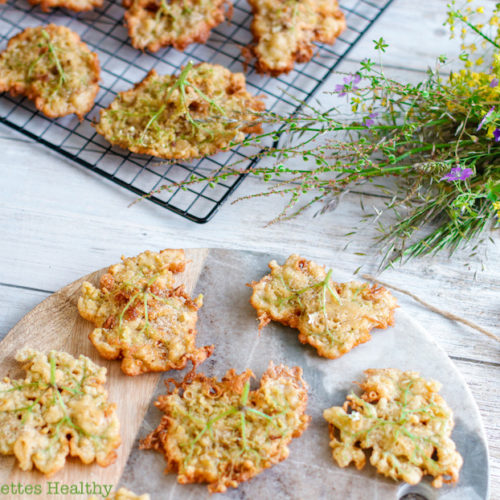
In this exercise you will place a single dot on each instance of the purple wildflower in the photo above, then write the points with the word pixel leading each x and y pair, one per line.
pixel 349 85
pixel 369 120
pixel 457 174
pixel 485 117
pixel 496 134
pixel 494 83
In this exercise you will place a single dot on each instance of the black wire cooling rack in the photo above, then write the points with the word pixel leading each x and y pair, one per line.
pixel 122 66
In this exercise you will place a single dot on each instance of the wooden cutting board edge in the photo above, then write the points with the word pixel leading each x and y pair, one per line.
pixel 43 330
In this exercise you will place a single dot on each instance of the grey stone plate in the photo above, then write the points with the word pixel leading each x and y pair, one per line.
pixel 228 321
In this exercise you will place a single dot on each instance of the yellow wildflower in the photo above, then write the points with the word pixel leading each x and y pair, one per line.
pixel 496 206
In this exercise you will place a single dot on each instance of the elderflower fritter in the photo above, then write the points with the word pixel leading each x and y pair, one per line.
pixel 157 23
pixel 198 113
pixel 141 318
pixel 50 65
pixel 332 317
pixel 222 433
pixel 60 409
pixel 284 31
pixel 405 423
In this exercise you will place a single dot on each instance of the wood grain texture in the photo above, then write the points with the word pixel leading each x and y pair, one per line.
pixel 60 221
pixel 56 324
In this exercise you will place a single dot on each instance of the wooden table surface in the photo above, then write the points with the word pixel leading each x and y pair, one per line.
pixel 60 222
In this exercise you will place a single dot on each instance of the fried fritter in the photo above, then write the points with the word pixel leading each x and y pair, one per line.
pixel 59 409
pixel 153 24
pixel 141 318
pixel 76 5
pixel 284 31
pixel 123 494
pixel 50 65
pixel 198 113
pixel 222 433
pixel 332 317
pixel 404 421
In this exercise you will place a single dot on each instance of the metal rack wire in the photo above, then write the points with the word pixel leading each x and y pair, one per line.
pixel 122 66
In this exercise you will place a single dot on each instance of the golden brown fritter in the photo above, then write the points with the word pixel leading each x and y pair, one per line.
pixel 60 409
pixel 332 317
pixel 284 31
pixel 153 24
pixel 198 113
pixel 50 65
pixel 404 421
pixel 123 494
pixel 222 433
pixel 76 5
pixel 141 318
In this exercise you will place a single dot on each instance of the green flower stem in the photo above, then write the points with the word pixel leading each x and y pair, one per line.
pixel 52 362
pixel 460 16
pixel 144 294
pixel 259 413
pixel 212 421
pixel 125 309
pixel 151 121
pixel 246 391
pixel 52 50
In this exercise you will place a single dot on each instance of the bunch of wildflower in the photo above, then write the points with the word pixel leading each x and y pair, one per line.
pixel 439 138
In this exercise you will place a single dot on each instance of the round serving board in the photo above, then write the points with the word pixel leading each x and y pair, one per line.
pixel 228 321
